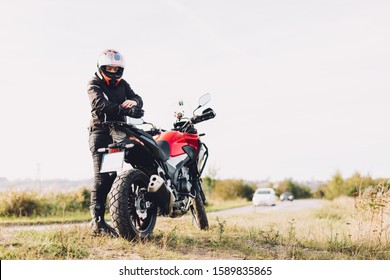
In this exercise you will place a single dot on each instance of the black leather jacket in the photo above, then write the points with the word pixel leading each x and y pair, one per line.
pixel 106 101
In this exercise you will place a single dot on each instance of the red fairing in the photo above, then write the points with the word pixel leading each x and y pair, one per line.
pixel 177 140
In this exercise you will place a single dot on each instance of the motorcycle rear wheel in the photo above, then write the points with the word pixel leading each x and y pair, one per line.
pixel 133 212
pixel 199 213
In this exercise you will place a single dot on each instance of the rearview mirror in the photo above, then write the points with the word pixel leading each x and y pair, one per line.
pixel 204 99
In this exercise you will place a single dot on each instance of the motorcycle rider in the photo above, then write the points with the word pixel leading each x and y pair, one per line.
pixel 111 99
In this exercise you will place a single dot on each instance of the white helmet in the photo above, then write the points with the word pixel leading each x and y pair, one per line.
pixel 113 58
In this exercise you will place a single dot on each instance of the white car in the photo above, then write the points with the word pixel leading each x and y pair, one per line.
pixel 264 196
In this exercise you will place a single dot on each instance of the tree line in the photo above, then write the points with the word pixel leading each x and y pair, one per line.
pixel 26 204
pixel 231 189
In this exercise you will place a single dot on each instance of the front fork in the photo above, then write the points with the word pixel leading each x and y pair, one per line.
pixel 198 188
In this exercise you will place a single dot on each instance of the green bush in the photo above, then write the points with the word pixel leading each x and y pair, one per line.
pixel 18 204
pixel 27 204
pixel 338 186
pixel 231 189
pixel 298 190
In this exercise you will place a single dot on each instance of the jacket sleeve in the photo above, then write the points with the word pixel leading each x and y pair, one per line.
pixel 130 94
pixel 99 101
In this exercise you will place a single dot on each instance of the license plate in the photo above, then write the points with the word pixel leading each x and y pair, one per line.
pixel 112 162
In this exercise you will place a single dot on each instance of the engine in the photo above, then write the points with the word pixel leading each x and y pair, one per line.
pixel 183 193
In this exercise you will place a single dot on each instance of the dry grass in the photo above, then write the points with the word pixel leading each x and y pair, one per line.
pixel 372 214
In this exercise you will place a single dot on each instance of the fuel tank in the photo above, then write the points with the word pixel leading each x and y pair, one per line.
pixel 177 140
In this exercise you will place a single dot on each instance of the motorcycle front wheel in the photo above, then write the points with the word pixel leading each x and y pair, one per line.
pixel 199 213
pixel 133 212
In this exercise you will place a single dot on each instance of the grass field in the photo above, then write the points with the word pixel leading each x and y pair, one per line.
pixel 344 229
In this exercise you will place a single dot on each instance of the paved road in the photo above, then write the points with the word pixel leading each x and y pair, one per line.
pixel 289 206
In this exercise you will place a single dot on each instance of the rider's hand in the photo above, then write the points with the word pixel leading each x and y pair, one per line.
pixel 129 104
pixel 135 112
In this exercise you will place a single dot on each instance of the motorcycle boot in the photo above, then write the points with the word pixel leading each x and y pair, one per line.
pixel 98 224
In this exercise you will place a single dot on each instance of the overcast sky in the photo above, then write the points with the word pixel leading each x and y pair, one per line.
pixel 301 88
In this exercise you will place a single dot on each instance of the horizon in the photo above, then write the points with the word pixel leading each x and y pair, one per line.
pixel 29 179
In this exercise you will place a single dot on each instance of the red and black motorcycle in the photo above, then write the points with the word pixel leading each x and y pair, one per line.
pixel 164 177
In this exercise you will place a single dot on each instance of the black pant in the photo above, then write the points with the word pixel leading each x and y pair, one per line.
pixel 102 181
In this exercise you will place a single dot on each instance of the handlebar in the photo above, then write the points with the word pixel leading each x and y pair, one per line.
pixel 155 131
pixel 184 125
pixel 207 114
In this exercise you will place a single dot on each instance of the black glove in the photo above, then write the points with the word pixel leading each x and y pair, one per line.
pixel 135 112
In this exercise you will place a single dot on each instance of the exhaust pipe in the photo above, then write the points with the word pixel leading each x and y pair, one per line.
pixel 163 194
